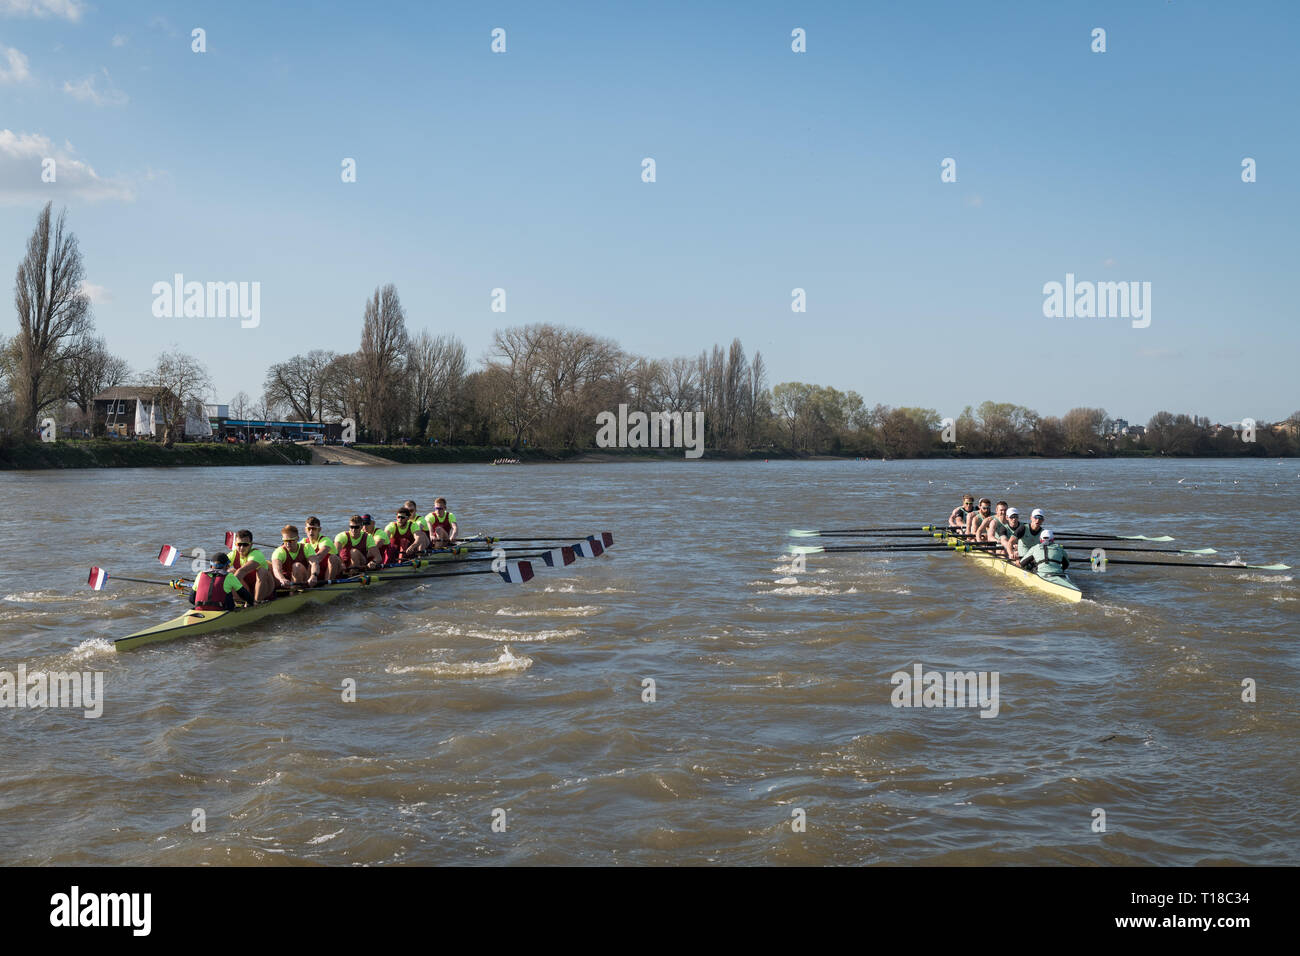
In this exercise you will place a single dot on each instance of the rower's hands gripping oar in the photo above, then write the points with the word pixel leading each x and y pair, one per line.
pixel 99 577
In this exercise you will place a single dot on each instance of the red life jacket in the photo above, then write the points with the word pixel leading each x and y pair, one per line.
pixel 210 591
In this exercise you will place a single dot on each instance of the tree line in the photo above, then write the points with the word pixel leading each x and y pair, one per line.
pixel 538 385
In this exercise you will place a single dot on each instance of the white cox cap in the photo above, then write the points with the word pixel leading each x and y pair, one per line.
pixel 1013 512
pixel 1046 536
pixel 1037 513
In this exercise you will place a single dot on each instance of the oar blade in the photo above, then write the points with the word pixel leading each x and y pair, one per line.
pixel 806 549
pixel 98 578
pixel 1142 537
pixel 517 572
pixel 167 555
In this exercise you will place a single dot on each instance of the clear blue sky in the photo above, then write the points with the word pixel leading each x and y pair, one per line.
pixel 776 170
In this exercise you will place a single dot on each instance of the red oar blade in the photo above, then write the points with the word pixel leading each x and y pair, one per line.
pixel 230 539
pixel 168 555
pixel 607 538
pixel 98 578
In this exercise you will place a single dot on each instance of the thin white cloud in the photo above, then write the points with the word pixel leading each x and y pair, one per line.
pixel 13 66
pixel 120 39
pixel 23 162
pixel 97 294
pixel 70 10
pixel 89 90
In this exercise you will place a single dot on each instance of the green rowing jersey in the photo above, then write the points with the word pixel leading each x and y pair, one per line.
pixel 1028 540
pixel 1000 529
pixel 255 556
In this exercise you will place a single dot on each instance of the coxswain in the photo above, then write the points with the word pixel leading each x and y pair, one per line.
pixel 1047 557
pixel 324 557
pixel 217 588
pixel 961 514
pixel 441 524
pixel 252 568
pixel 356 546
pixel 290 563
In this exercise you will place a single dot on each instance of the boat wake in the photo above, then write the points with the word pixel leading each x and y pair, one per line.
pixel 585 610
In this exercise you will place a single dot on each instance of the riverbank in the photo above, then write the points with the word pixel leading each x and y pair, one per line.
pixel 144 454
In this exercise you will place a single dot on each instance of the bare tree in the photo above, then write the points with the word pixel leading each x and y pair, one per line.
pixel 96 370
pixel 514 378
pixel 343 387
pixel 53 318
pixel 240 405
pixel 383 348
pixel 179 381
pixel 298 384
pixel 436 372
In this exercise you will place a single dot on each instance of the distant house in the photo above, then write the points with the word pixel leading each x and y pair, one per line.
pixel 118 411
pixel 1133 431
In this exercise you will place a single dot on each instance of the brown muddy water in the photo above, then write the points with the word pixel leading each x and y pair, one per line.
pixel 771 737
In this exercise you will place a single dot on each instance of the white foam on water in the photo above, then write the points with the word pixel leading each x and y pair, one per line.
pixel 324 837
pixel 585 610
pixel 92 647
pixel 505 664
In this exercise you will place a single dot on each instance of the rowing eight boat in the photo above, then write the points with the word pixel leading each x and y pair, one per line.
pixel 1058 585
pixel 194 622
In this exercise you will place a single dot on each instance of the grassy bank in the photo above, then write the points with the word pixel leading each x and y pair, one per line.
pixel 133 454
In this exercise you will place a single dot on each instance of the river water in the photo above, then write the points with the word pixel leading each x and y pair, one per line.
pixel 771 737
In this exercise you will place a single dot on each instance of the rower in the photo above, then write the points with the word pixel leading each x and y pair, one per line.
pixel 994 527
pixel 402 545
pixel 979 517
pixel 1008 541
pixel 217 588
pixel 356 546
pixel 420 525
pixel 324 553
pixel 957 520
pixel 252 569
pixel 1031 534
pixel 379 541
pixel 441 524
pixel 290 563
pixel 1047 557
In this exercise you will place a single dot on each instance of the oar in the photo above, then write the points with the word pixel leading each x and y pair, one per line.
pixel 606 538
pixel 852 549
pixel 1110 537
pixel 516 572
pixel 800 533
pixel 99 577
pixel 1221 567
pixel 1081 547
pixel 868 534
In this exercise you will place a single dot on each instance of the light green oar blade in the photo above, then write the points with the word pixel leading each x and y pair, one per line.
pixel 797 533
pixel 1197 551
pixel 1269 567
pixel 806 549
pixel 1142 537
